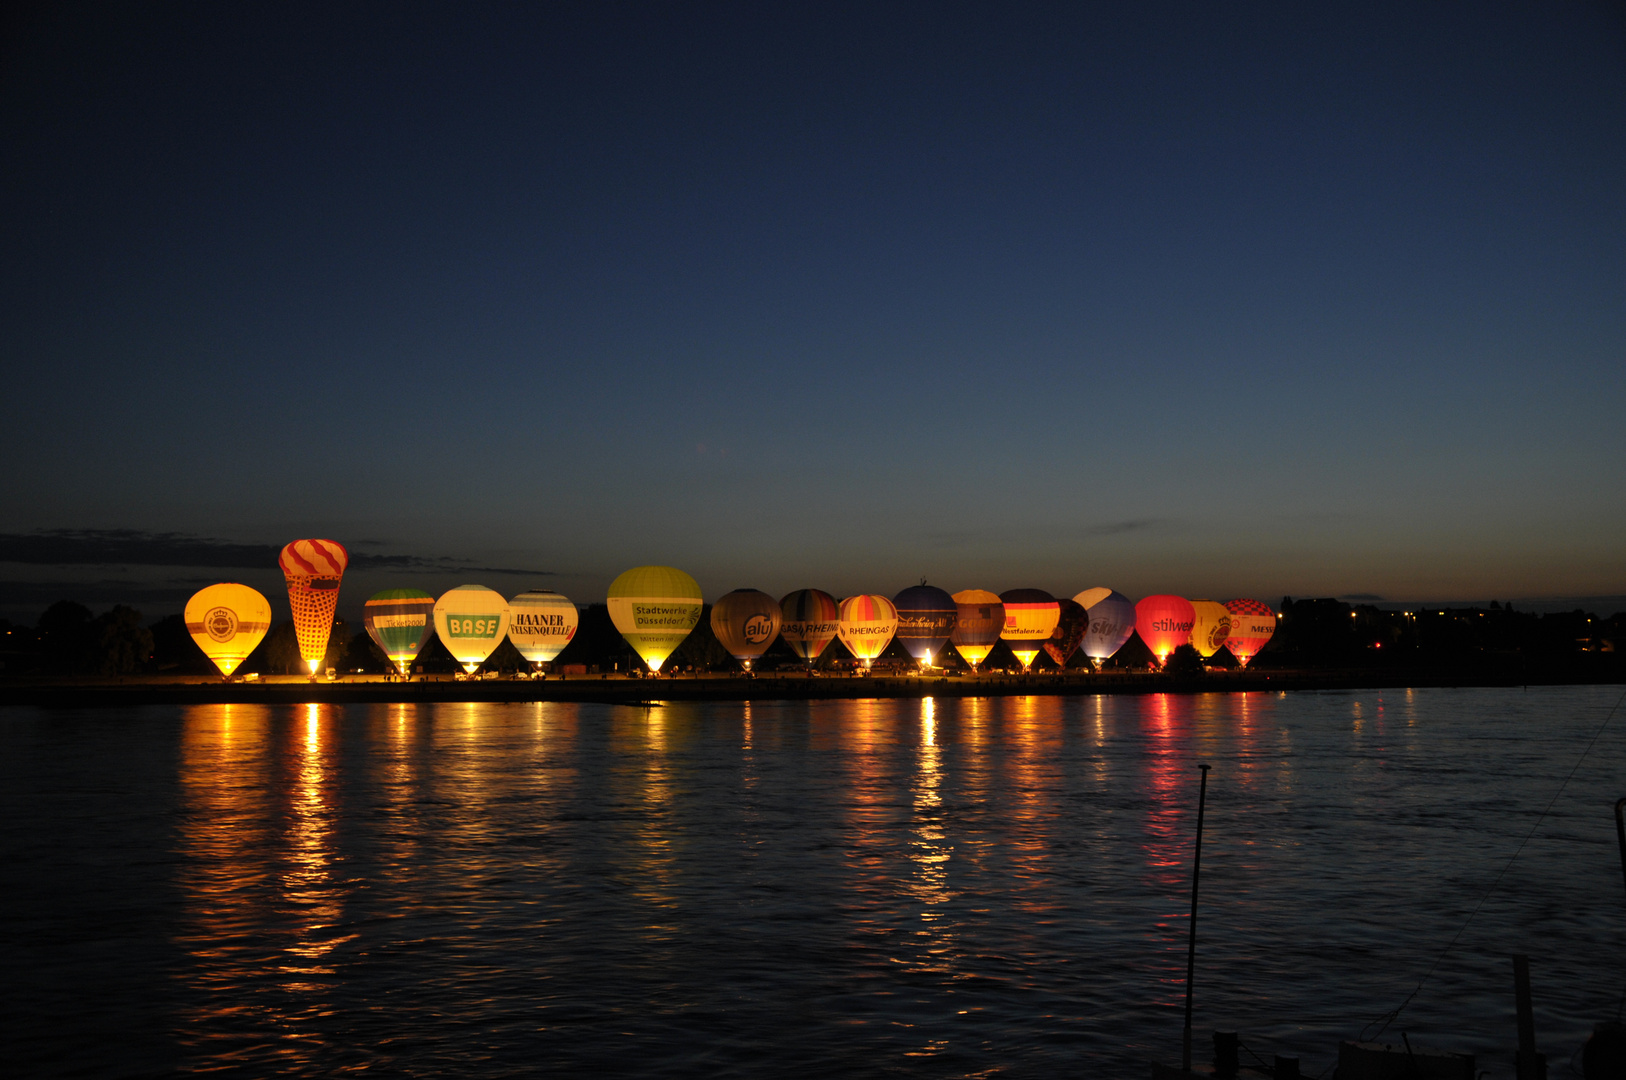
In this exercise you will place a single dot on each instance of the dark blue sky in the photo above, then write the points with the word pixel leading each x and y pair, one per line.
pixel 1210 300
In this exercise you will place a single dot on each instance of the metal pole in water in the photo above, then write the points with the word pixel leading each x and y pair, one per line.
pixel 1620 832
pixel 1191 943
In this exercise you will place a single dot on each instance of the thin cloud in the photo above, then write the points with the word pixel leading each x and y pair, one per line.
pixel 133 547
pixel 1114 528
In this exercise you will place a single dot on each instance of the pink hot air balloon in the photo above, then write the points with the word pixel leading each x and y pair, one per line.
pixel 1252 625
pixel 1164 623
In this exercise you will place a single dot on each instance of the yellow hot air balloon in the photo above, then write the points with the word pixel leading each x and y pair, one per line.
pixel 866 626
pixel 227 621
pixel 1211 627
pixel 655 607
pixel 1031 616
pixel 471 621
pixel 313 569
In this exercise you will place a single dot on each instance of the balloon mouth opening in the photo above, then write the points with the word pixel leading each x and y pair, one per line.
pixel 312 665
pixel 471 668
pixel 655 665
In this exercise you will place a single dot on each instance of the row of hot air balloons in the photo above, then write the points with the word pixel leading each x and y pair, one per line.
pixel 229 620
pixel 656 607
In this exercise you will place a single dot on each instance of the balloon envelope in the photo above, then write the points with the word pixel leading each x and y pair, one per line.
pixel 1031 616
pixel 400 621
pixel 655 607
pixel 811 619
pixel 227 621
pixel 471 621
pixel 1211 624
pixel 541 623
pixel 313 569
pixel 1069 632
pixel 1252 625
pixel 746 621
pixel 1112 621
pixel 867 624
pixel 926 618
pixel 981 619
pixel 1164 623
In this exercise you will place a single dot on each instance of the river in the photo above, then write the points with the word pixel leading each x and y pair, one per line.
pixel 965 887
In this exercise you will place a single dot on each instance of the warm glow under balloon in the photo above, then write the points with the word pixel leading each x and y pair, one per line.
pixel 811 620
pixel 1253 623
pixel 1070 627
pixel 400 621
pixel 227 621
pixel 867 624
pixel 746 621
pixel 471 621
pixel 1164 623
pixel 981 619
pixel 1031 616
pixel 313 569
pixel 655 607
pixel 1112 622
pixel 1210 626
pixel 540 624
pixel 926 618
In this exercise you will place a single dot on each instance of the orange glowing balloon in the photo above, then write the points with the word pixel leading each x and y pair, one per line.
pixel 313 569
pixel 227 621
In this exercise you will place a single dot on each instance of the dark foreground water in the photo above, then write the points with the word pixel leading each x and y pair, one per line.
pixel 946 888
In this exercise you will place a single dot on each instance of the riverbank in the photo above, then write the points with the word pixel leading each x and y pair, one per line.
pixel 622 689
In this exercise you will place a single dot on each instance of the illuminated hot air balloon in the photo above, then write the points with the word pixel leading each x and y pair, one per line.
pixel 540 624
pixel 1252 625
pixel 746 622
pixel 471 621
pixel 1164 623
pixel 227 621
pixel 1211 624
pixel 400 621
pixel 926 618
pixel 1031 616
pixel 1070 627
pixel 1112 621
pixel 811 620
pixel 313 569
pixel 655 607
pixel 981 620
pixel 867 624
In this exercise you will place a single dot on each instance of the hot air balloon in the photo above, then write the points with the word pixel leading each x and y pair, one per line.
pixel 867 624
pixel 926 618
pixel 746 622
pixel 811 619
pixel 1070 627
pixel 227 621
pixel 313 569
pixel 400 621
pixel 471 621
pixel 1252 625
pixel 655 607
pixel 1164 623
pixel 1211 624
pixel 981 620
pixel 1112 621
pixel 1030 617
pixel 540 624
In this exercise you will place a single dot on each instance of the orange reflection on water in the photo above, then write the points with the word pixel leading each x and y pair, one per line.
pixel 308 883
pixel 929 849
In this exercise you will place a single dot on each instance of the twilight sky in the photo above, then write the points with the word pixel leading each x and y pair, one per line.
pixel 1217 300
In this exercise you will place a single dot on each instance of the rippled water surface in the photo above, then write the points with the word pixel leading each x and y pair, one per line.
pixel 958 887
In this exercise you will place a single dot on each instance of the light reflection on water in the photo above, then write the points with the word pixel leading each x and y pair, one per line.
pixel 933 887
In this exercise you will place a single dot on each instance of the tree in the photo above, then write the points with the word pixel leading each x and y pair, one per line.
pixel 122 643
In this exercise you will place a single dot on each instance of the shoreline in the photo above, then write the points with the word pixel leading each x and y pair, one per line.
pixel 133 691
